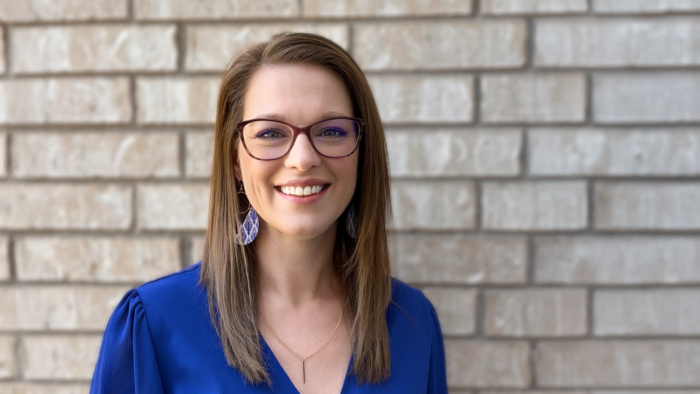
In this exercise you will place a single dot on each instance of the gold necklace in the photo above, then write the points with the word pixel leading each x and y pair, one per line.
pixel 303 359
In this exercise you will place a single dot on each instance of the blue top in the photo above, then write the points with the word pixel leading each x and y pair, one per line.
pixel 160 340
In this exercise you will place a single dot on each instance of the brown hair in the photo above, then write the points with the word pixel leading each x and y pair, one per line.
pixel 229 270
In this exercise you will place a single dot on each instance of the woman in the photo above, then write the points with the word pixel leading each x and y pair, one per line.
pixel 293 293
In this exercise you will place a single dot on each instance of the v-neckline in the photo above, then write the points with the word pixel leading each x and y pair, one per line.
pixel 283 374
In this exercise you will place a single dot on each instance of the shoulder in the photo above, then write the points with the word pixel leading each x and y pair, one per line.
pixel 172 286
pixel 411 304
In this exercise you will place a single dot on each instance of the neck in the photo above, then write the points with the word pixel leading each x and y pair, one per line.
pixel 295 271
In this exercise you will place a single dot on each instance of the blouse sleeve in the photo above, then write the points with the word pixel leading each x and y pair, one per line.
pixel 127 362
pixel 437 381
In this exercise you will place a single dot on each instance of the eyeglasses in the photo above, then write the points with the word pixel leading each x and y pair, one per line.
pixel 267 139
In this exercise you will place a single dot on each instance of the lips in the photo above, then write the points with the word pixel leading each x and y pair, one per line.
pixel 301 191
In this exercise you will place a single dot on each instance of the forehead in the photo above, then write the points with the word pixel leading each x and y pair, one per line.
pixel 297 93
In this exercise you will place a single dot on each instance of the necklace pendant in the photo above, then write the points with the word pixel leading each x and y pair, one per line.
pixel 303 371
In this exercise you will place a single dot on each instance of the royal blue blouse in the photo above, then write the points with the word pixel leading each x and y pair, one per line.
pixel 160 340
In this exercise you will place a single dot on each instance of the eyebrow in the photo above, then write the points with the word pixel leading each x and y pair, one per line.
pixel 326 115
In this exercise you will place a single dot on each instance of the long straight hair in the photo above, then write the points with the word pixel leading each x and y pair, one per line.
pixel 229 270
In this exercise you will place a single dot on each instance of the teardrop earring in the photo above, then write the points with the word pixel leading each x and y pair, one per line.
pixel 351 222
pixel 248 230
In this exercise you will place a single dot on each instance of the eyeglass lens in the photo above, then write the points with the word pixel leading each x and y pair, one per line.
pixel 266 139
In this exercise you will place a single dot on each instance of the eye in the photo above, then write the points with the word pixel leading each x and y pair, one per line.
pixel 269 134
pixel 333 132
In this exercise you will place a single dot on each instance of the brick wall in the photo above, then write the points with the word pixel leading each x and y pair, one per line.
pixel 545 156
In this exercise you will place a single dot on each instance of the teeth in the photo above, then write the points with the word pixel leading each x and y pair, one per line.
pixel 301 191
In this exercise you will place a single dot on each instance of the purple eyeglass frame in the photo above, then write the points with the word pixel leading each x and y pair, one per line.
pixel 301 130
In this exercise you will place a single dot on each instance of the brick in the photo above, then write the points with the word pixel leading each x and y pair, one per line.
pixel 487 364
pixel 618 363
pixel 171 101
pixel 65 101
pixel 458 259
pixel 214 9
pixel 212 47
pixel 511 7
pixel 647 206
pixel 424 99
pixel 57 206
pixel 199 154
pixel 616 42
pixel 645 6
pixel 456 309
pixel 440 45
pixel 8 359
pixel 3 154
pixel 63 10
pixel 59 357
pixel 95 155
pixel 534 98
pixel 360 8
pixel 4 258
pixel 617 260
pixel 535 312
pixel 445 153
pixel 658 97
pixel 646 312
pixel 535 205
pixel 2 50
pixel 555 392
pixel 93 49
pixel 95 259
pixel 196 249
pixel 32 308
pixel 613 152
pixel 43 388
pixel 438 205
pixel 158 202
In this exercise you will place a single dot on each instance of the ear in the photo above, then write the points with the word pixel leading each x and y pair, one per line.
pixel 237 170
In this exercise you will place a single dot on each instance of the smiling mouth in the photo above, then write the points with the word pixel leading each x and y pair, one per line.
pixel 302 191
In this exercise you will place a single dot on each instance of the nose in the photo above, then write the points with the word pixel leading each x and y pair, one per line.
pixel 302 156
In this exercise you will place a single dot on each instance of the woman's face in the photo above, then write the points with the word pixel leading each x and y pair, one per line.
pixel 299 94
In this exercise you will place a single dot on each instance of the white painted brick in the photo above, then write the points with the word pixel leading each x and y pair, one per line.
pixel 458 259
pixel 4 258
pixel 93 49
pixel 424 99
pixel 3 155
pixel 510 7
pixel 43 388
pixel 32 308
pixel 65 100
pixel 613 152
pixel 645 6
pixel 432 45
pixel 433 205
pixel 617 260
pixel 618 364
pixel 359 8
pixel 446 153
pixel 185 100
pixel 658 97
pixel 173 206
pixel 2 50
pixel 8 358
pixel 62 10
pixel 487 364
pixel 533 98
pixel 199 154
pixel 537 205
pixel 214 9
pixel 95 259
pixel 196 249
pixel 47 357
pixel 647 206
pixel 535 312
pixel 647 312
pixel 95 155
pixel 212 47
pixel 617 42
pixel 456 309
pixel 57 206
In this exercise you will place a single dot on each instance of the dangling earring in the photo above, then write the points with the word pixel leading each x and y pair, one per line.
pixel 248 230
pixel 351 222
